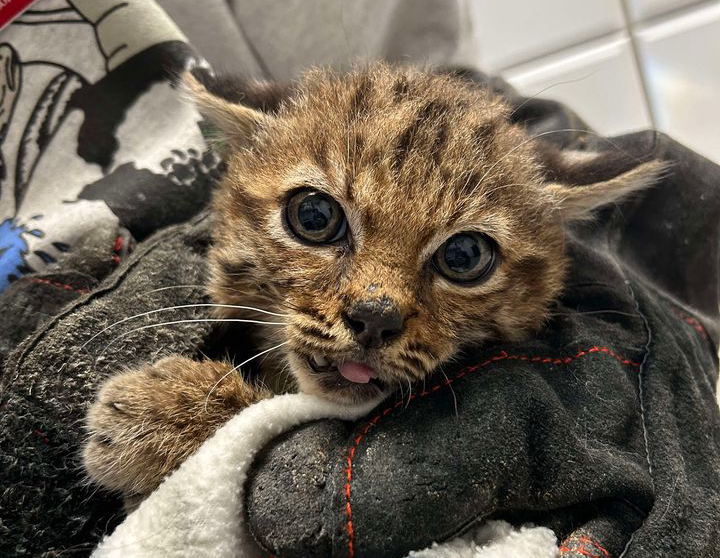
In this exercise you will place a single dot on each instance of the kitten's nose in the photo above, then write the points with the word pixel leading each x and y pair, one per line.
pixel 374 322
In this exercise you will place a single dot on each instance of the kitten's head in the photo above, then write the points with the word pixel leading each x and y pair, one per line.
pixel 394 216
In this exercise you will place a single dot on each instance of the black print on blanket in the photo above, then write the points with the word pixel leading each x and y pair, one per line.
pixel 93 134
pixel 44 120
pixel 187 183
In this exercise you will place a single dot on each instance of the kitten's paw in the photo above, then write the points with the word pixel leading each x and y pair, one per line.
pixel 146 422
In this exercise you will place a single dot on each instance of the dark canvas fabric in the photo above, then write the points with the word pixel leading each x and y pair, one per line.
pixel 604 426
pixel 46 506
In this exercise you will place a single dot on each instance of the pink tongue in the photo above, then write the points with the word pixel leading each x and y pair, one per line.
pixel 356 372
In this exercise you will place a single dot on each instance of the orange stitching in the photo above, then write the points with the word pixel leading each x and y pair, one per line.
pixel 42 435
pixel 582 548
pixel 56 284
pixel 117 246
pixel 604 552
pixel 501 356
pixel 695 324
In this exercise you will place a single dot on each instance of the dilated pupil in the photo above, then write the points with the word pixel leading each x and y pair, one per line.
pixel 315 213
pixel 462 253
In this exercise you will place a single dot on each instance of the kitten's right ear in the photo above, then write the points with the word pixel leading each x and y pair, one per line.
pixel 235 124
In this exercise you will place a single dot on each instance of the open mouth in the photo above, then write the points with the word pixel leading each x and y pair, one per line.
pixel 345 374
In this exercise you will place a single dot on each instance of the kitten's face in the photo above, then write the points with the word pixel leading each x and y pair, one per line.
pixel 394 217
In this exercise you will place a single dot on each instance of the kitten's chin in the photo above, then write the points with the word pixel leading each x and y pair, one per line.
pixel 327 382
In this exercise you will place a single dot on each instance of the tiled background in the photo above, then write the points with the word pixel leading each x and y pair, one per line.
pixel 623 65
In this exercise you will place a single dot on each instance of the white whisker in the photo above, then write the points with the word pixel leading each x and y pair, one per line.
pixel 243 363
pixel 531 138
pixel 189 321
pixel 488 192
pixel 181 306
pixel 284 373
pixel 544 89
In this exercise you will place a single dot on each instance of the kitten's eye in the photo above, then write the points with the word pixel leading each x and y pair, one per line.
pixel 466 257
pixel 315 217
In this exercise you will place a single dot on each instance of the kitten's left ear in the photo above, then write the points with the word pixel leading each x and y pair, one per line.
pixel 578 202
pixel 236 124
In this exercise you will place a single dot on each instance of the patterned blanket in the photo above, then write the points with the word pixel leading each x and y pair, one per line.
pixel 93 136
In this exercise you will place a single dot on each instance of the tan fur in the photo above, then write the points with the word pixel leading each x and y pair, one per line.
pixel 412 158
pixel 146 422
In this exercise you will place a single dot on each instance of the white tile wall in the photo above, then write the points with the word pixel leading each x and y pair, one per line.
pixel 681 57
pixel 599 79
pixel 643 9
pixel 622 65
pixel 513 31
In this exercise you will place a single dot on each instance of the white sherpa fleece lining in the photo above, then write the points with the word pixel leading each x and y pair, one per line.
pixel 197 512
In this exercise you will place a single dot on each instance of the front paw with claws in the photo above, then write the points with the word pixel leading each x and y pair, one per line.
pixel 146 422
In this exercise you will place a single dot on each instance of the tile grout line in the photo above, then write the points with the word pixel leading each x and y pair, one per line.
pixel 677 12
pixel 532 60
pixel 637 58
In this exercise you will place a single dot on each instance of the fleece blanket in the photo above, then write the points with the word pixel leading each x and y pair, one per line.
pixel 603 431
pixel 196 511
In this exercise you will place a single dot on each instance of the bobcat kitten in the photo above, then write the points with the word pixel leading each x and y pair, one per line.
pixel 390 217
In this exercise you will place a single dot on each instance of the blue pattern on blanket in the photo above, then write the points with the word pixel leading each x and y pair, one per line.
pixel 13 249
